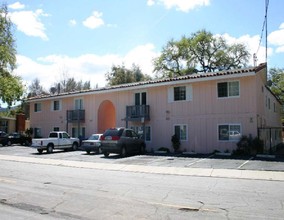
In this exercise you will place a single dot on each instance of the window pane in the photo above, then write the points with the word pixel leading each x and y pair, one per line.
pixel 148 133
pixel 177 130
pixel 137 98
pixel 234 88
pixel 235 132
pixel 183 132
pixel 143 94
pixel 180 93
pixel 222 89
pixel 223 132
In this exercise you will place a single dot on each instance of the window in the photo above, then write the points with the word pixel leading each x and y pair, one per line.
pixel 56 105
pixel 37 107
pixel 229 132
pixel 56 129
pixel 180 93
pixel 79 104
pixel 139 131
pixel 75 132
pixel 140 98
pixel 181 132
pixel 228 89
pixel 37 132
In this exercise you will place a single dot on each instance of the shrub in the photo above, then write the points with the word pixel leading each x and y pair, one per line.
pixel 248 146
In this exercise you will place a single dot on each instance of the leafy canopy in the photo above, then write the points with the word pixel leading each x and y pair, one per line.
pixel 201 52
pixel 120 75
pixel 11 88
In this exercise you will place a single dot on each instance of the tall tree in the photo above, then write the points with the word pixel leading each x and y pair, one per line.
pixel 276 82
pixel 35 88
pixel 120 75
pixel 11 88
pixel 201 52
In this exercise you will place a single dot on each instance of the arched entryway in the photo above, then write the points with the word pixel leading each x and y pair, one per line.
pixel 106 116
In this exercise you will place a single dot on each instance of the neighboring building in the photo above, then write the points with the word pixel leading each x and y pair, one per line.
pixel 7 124
pixel 208 111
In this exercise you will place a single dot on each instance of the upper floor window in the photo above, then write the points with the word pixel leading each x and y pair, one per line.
pixel 140 98
pixel 228 89
pixel 79 104
pixel 37 107
pixel 180 93
pixel 56 105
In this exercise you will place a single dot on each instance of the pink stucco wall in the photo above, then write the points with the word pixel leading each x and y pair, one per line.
pixel 202 113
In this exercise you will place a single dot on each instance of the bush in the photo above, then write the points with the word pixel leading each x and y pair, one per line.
pixel 248 146
pixel 175 142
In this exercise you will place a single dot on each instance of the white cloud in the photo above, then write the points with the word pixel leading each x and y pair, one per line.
pixel 180 5
pixel 29 22
pixel 276 38
pixel 72 22
pixel 16 5
pixel 94 21
pixel 251 42
pixel 87 67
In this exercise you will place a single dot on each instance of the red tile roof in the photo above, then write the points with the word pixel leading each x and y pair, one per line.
pixel 157 81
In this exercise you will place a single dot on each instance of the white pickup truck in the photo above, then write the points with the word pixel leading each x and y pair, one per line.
pixel 55 140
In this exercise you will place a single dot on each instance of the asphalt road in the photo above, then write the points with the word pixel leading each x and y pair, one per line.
pixel 47 191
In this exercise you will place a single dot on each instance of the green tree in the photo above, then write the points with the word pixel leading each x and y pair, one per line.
pixel 11 88
pixel 201 52
pixel 36 88
pixel 276 82
pixel 120 75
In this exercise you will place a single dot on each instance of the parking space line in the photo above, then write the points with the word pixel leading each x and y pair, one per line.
pixel 239 167
pixel 197 161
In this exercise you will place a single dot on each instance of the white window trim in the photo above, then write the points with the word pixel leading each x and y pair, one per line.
pixel 188 93
pixel 38 103
pixel 186 126
pixel 81 98
pixel 52 105
pixel 229 124
pixel 229 97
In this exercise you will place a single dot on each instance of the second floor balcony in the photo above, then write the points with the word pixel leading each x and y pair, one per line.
pixel 76 115
pixel 138 113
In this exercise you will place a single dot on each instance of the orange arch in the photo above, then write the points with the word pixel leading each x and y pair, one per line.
pixel 106 116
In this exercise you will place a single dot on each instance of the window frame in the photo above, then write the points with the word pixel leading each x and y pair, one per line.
pixel 148 133
pixel 37 107
pixel 229 130
pixel 53 105
pixel 186 131
pixel 188 93
pixel 229 89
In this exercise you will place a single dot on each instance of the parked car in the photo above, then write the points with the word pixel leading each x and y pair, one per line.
pixel 55 140
pixel 92 144
pixel 17 138
pixel 3 138
pixel 121 141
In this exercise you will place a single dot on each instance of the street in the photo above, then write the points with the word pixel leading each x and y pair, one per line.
pixel 33 190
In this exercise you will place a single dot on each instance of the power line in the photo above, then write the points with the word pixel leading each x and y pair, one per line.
pixel 264 27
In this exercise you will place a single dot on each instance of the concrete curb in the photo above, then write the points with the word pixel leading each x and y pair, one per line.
pixel 207 172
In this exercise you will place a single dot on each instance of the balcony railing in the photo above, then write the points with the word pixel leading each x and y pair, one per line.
pixel 138 112
pixel 76 115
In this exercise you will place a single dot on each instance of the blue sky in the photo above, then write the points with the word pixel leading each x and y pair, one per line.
pixel 84 38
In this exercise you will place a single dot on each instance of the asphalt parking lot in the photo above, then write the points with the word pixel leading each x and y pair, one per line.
pixel 163 160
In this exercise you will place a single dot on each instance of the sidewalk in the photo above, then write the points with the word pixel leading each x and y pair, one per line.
pixel 206 172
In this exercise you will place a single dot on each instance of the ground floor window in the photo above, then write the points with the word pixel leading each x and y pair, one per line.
pixel 56 129
pixel 37 132
pixel 229 132
pixel 76 133
pixel 181 132
pixel 139 131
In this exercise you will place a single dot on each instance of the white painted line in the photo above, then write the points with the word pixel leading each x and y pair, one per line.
pixel 239 167
pixel 197 161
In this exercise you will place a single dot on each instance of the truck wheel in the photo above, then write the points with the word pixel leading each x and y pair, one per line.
pixel 49 149
pixel 74 146
pixel 40 151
